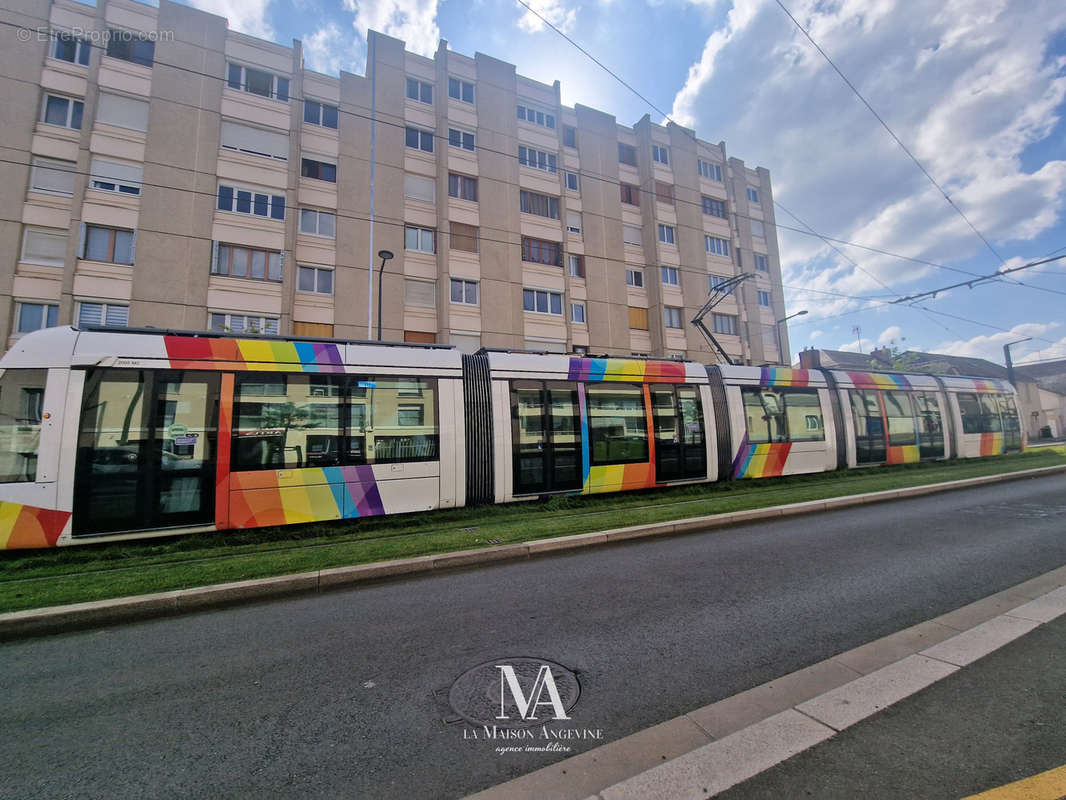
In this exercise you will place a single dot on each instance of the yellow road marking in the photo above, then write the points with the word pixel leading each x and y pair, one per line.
pixel 1050 785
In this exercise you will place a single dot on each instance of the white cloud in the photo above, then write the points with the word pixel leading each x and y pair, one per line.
pixel 330 49
pixel 555 11
pixel 413 21
pixel 893 333
pixel 991 347
pixel 966 84
pixel 858 346
pixel 246 16
pixel 1044 352
pixel 815 334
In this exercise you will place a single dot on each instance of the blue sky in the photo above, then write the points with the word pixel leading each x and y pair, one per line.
pixel 974 88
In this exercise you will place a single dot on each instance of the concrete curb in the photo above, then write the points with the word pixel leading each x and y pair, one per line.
pixel 19 624
pixel 710 749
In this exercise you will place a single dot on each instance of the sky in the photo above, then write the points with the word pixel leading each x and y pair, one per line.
pixel 973 89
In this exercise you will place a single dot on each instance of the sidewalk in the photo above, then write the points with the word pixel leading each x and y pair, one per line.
pixel 958 705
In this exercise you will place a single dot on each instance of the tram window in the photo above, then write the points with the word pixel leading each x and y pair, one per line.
pixel 782 415
pixel 398 430
pixel 21 398
pixel 990 420
pixel 971 413
pixel 900 418
pixel 286 422
pixel 618 425
pixel 930 427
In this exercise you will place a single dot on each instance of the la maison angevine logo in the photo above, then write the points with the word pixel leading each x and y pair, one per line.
pixel 521 704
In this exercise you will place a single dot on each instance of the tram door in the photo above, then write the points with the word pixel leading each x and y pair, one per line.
pixel 680 451
pixel 146 450
pixel 546 435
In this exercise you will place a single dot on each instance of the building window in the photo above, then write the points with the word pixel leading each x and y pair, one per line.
pixel 35 316
pixel 632 235
pixel 241 323
pixel 716 246
pixel 659 154
pixel 461 139
pixel 130 46
pixel 762 263
pixel 422 240
pixel 44 246
pixel 536 116
pixel 538 251
pixel 68 48
pixel 666 234
pixel 635 277
pixel 540 204
pixel 753 195
pixel 724 323
pixel 319 170
pixel 461 187
pixel 630 194
pixel 664 192
pixel 572 182
pixel 464 292
pixel 324 114
pixel 410 416
pixel 318 280
pixel 247 201
pixel 108 315
pixel 575 266
pixel 670 276
pixel 318 223
pixel 255 81
pixel 52 175
pixel 125 112
pixel 672 317
pixel 577 313
pixel 542 302
pixel 461 90
pixel 638 318
pixel 62 111
pixel 112 176
pixel 569 136
pixel 758 228
pixel 716 208
pixel 419 91
pixel 573 222
pixel 108 244
pixel 715 282
pixel 247 262
pixel 708 170
pixel 421 188
pixel 627 154
pixel 254 141
pixel 420 293
pixel 764 298
pixel 418 139
pixel 463 237
pixel 538 159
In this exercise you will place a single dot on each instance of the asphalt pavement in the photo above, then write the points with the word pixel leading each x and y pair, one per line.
pixel 345 694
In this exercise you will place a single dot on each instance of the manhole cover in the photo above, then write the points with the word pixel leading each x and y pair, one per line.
pixel 514 692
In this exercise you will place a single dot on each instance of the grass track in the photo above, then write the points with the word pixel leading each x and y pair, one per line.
pixel 36 579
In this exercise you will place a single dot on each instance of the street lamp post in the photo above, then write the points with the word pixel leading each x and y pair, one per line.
pixel 1006 357
pixel 384 255
pixel 780 341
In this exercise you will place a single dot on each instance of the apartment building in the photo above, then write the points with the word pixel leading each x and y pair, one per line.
pixel 160 169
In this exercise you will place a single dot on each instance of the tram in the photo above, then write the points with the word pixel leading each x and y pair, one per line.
pixel 122 433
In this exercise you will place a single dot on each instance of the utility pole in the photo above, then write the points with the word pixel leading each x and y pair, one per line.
pixel 858 336
pixel 1006 357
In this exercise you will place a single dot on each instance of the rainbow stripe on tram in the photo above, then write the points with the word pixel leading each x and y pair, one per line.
pixel 760 460
pixel 311 494
pixel 30 526
pixel 879 380
pixel 189 352
pixel 784 376
pixel 626 369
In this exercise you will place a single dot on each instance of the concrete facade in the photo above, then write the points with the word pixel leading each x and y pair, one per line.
pixel 218 183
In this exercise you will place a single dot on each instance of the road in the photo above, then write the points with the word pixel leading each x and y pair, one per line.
pixel 340 695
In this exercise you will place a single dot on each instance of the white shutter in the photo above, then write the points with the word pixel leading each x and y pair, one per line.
pixel 758 229
pixel 45 247
pixel 420 293
pixel 124 112
pixel 90 314
pixel 632 235
pixel 255 140
pixel 465 342
pixel 126 173
pixel 117 316
pixel 418 187
pixel 81 240
pixel 573 220
pixel 52 175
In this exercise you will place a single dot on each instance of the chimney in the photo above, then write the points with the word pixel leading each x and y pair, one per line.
pixel 810 359
pixel 882 356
